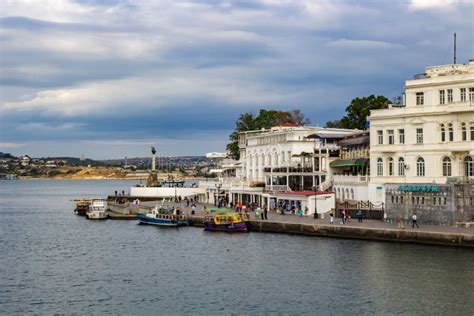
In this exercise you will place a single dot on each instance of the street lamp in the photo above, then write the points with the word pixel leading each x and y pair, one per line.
pixel 218 186
pixel 315 215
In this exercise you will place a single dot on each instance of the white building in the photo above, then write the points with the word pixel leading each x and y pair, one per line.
pixel 283 165
pixel 431 137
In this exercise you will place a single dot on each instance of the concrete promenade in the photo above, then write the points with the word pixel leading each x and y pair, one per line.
pixel 368 229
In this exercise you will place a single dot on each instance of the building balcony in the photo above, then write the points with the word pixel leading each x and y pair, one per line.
pixel 342 179
pixel 277 188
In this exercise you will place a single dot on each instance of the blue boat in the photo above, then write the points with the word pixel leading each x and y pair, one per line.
pixel 164 215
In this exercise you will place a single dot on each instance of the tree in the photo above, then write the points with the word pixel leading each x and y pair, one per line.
pixel 358 111
pixel 265 119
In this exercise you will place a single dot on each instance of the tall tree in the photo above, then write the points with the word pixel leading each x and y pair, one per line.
pixel 265 119
pixel 358 111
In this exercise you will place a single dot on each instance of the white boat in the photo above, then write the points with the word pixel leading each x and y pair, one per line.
pixel 97 210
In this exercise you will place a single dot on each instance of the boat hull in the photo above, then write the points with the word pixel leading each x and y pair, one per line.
pixel 96 216
pixel 230 228
pixel 157 221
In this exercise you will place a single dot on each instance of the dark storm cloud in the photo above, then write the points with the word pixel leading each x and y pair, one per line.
pixel 107 73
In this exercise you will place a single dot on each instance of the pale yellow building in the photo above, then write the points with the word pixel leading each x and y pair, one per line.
pixel 429 138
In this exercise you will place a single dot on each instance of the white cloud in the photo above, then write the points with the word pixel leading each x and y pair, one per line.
pixel 432 4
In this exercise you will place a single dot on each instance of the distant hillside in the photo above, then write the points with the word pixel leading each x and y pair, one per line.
pixel 77 161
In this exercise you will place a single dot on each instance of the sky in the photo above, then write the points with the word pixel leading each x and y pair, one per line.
pixel 109 79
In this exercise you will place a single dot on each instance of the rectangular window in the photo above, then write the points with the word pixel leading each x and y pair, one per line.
pixel 442 99
pixel 463 94
pixel 420 98
pixel 471 94
pixel 391 136
pixel 450 95
pixel 472 130
pixel 380 137
pixel 401 136
pixel 419 136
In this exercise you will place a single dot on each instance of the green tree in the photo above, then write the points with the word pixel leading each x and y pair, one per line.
pixel 358 111
pixel 265 119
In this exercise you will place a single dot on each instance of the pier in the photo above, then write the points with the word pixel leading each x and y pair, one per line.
pixel 306 225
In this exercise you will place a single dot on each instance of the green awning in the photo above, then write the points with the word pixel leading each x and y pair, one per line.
pixel 342 163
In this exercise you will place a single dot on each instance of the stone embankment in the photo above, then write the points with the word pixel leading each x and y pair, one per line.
pixel 350 232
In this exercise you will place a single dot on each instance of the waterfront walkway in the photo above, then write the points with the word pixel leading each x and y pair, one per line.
pixel 366 224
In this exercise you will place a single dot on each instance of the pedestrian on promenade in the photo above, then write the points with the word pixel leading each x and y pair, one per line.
pixel 204 208
pixel 360 216
pixel 265 212
pixel 187 202
pixel 401 223
pixel 331 218
pixel 306 210
pixel 258 211
pixel 116 192
pixel 343 217
pixel 414 219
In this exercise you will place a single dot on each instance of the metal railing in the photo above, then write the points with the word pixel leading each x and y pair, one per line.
pixel 350 179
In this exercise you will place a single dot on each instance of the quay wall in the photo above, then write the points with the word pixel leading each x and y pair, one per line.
pixel 437 238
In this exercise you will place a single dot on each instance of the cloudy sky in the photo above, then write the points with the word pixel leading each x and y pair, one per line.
pixel 110 78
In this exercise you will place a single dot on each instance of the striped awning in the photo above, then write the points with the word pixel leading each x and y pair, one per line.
pixel 342 163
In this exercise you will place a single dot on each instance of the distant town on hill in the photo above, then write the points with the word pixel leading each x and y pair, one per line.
pixel 82 167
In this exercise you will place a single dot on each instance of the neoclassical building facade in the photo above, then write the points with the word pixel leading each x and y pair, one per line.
pixel 430 138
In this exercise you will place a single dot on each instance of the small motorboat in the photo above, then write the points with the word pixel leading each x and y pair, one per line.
pixel 226 222
pixel 97 210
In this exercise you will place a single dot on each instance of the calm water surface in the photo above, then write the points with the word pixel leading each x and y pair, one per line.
pixel 55 262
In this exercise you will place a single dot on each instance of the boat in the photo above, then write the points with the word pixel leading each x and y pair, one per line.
pixel 226 222
pixel 82 206
pixel 163 215
pixel 97 210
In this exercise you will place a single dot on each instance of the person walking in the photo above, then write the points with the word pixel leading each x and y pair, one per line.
pixel 343 217
pixel 193 209
pixel 265 212
pixel 331 218
pixel 359 216
pixel 414 219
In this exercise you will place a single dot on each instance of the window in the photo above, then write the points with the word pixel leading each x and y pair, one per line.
pixel 471 94
pixel 391 136
pixel 451 132
pixel 401 136
pixel 450 95
pixel 472 130
pixel 420 167
pixel 380 137
pixel 463 131
pixel 401 199
pixel 446 167
pixel 469 166
pixel 401 166
pixel 419 136
pixel 420 98
pixel 443 133
pixel 463 94
pixel 379 167
pixel 442 97
pixel 390 166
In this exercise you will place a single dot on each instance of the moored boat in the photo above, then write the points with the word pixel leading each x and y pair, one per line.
pixel 164 215
pixel 226 222
pixel 82 206
pixel 97 210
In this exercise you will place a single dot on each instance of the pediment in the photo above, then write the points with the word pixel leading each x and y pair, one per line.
pixel 417 120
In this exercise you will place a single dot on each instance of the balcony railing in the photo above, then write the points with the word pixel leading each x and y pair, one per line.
pixel 350 179
pixel 277 188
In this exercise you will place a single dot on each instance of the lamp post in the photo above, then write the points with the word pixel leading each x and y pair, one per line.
pixel 218 186
pixel 315 215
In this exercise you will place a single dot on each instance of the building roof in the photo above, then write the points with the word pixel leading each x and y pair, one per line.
pixel 362 138
pixel 327 134
pixel 342 163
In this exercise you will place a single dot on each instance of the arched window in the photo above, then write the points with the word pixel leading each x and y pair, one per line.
pixel 469 166
pixel 443 133
pixel 352 194
pixel 450 132
pixel 347 193
pixel 446 167
pixel 390 166
pixel 343 196
pixel 420 167
pixel 401 166
pixel 379 167
pixel 463 132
